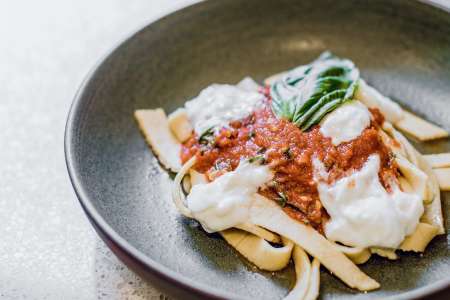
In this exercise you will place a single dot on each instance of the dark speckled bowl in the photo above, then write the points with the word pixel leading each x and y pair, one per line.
pixel 402 47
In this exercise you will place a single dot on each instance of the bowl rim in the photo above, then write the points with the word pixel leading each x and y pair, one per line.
pixel 94 216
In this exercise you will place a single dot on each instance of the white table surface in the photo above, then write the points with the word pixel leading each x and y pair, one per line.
pixel 48 250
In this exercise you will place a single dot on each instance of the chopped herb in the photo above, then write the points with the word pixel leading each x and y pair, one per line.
pixel 328 164
pixel 257 158
pixel 392 156
pixel 272 184
pixel 222 165
pixel 283 199
pixel 261 150
pixel 287 152
pixel 207 137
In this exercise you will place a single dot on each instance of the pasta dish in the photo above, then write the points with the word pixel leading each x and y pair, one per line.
pixel 312 166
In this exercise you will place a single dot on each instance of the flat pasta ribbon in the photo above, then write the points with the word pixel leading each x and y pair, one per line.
pixel 154 126
pixel 307 276
pixel 269 215
pixel 258 250
pixel 433 211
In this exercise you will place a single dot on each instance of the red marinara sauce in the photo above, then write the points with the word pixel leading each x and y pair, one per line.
pixel 289 151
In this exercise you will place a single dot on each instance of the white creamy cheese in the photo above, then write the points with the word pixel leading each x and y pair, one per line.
pixel 373 98
pixel 346 122
pixel 362 213
pixel 226 201
pixel 218 104
pixel 248 84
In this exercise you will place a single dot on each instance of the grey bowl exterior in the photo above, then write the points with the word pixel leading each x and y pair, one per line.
pixel 402 47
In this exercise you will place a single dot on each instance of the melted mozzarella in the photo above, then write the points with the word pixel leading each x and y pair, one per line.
pixel 226 201
pixel 219 104
pixel 248 84
pixel 362 213
pixel 346 122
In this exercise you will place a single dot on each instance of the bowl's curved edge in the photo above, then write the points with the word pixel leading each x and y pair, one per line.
pixel 436 4
pixel 161 276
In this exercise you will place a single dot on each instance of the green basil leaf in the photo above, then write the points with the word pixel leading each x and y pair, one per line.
pixel 323 86
pixel 297 75
pixel 283 101
pixel 207 136
pixel 301 95
pixel 351 90
pixel 257 158
pixel 282 200
pixel 332 96
pixel 334 71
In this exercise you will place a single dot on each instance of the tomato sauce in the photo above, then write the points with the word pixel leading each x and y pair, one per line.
pixel 289 151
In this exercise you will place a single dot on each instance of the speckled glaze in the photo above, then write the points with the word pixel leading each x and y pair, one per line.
pixel 401 47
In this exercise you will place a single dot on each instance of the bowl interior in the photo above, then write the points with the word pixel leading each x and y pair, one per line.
pixel 401 47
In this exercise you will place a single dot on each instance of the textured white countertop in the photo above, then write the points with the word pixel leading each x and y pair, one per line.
pixel 48 250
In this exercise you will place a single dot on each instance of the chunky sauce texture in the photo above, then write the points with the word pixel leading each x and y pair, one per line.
pixel 289 152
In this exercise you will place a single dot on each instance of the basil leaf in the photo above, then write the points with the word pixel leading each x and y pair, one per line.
pixel 283 101
pixel 257 158
pixel 317 117
pixel 332 105
pixel 297 75
pixel 301 94
pixel 351 90
pixel 330 97
pixel 323 86
pixel 207 136
pixel 334 71
pixel 282 200
pixel 326 55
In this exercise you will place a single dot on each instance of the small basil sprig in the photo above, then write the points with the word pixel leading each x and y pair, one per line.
pixel 282 199
pixel 257 159
pixel 207 136
pixel 284 102
pixel 306 94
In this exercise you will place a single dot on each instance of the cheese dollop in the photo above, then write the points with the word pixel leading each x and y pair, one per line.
pixel 362 213
pixel 226 201
pixel 346 122
pixel 218 104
